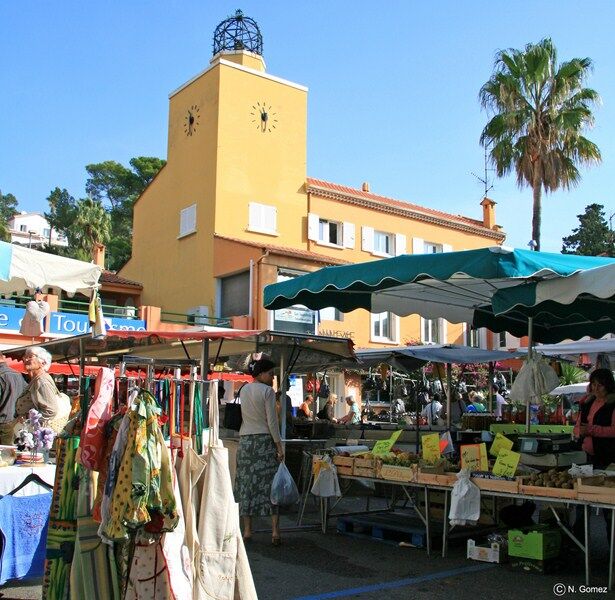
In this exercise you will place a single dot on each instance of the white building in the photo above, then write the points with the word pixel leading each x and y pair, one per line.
pixel 33 230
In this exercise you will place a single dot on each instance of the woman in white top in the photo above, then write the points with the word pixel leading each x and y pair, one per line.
pixel 260 450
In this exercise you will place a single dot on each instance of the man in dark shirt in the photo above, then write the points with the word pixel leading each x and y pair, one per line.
pixel 12 385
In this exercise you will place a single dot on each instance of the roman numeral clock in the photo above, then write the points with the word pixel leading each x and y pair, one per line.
pixel 264 119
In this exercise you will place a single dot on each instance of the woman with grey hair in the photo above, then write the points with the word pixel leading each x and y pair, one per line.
pixel 42 393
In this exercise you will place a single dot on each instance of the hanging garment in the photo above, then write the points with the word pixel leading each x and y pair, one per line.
pixel 62 529
pixel 92 442
pixel 111 431
pixel 222 567
pixel 149 574
pixel 93 573
pixel 23 528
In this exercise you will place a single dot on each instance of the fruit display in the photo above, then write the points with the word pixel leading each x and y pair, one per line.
pixel 552 478
pixel 400 459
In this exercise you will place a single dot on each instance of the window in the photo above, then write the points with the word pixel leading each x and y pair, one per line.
pixel 383 243
pixel 330 314
pixel 187 220
pixel 430 248
pixel 22 228
pixel 433 331
pixel 297 318
pixel 473 336
pixel 262 218
pixel 329 232
pixel 421 246
pixel 502 339
pixel 384 327
pixel 234 295
pixel 46 232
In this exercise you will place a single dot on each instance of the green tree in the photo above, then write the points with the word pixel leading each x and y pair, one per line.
pixel 62 210
pixel 540 109
pixel 8 209
pixel 120 187
pixel 92 224
pixel 593 235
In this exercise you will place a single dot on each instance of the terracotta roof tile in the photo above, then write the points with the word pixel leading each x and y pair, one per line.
pixel 369 196
pixel 114 279
pixel 286 251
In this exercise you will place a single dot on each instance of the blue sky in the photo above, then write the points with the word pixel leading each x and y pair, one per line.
pixel 393 91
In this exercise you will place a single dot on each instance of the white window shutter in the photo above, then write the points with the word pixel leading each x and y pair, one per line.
pixel 447 248
pixel 400 244
pixel 348 234
pixel 367 239
pixel 253 215
pixel 313 221
pixel 444 330
pixel 418 245
pixel 271 221
pixel 187 220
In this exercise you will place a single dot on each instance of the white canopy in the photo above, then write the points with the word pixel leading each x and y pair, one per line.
pixel 23 268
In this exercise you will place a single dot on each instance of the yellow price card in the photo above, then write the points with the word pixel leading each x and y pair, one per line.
pixel 501 442
pixel 474 457
pixel 506 463
pixel 431 447
pixel 384 446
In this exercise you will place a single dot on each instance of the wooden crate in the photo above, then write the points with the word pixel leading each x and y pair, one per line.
pixel 548 492
pixel 496 485
pixel 344 464
pixel 364 467
pixel 397 473
pixel 446 479
pixel 593 489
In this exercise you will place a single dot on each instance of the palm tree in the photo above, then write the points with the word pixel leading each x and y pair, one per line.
pixel 539 110
pixel 92 224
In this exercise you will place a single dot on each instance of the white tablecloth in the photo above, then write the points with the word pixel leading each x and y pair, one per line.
pixel 11 477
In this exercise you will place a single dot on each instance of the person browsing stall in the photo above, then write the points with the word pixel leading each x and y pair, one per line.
pixel 595 424
pixel 12 385
pixel 353 416
pixel 260 450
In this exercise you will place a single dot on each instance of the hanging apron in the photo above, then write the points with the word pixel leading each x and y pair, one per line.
pixel 222 567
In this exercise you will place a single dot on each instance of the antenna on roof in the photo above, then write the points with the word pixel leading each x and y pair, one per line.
pixel 485 180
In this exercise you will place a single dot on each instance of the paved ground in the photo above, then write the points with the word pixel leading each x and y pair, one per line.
pixel 314 566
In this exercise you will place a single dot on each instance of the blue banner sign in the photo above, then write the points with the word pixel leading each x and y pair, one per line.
pixel 75 324
pixel 10 318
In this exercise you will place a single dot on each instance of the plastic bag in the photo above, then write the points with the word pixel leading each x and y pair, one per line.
pixel 283 489
pixel 326 484
pixel 465 501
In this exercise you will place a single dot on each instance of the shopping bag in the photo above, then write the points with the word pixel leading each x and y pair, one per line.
pixel 465 501
pixel 232 415
pixel 326 484
pixel 284 491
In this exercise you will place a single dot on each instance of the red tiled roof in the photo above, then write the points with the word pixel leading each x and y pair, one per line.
pixel 345 193
pixel 286 251
pixel 114 279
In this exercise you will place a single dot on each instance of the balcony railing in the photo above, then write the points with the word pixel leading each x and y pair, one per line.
pixel 76 307
pixel 191 320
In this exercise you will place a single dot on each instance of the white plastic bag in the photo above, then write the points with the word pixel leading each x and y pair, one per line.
pixel 326 484
pixel 465 501
pixel 284 491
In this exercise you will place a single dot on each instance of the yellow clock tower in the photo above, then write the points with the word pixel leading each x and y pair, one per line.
pixel 236 168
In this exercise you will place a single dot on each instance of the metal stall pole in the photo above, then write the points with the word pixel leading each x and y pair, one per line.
pixel 490 392
pixel 449 393
pixel 282 390
pixel 84 409
pixel 390 394
pixel 530 355
pixel 204 382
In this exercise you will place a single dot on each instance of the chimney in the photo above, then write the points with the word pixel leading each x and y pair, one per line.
pixel 98 254
pixel 365 186
pixel 488 213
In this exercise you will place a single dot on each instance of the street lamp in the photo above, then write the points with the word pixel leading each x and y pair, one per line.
pixel 30 234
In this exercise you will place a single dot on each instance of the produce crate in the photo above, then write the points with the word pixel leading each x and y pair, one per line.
pixel 544 567
pixel 594 489
pixel 493 554
pixel 548 492
pixel 446 479
pixel 538 542
pixel 397 473
pixel 364 467
pixel 497 485
pixel 344 464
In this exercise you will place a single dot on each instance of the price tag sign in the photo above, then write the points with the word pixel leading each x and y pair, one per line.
pixel 474 457
pixel 384 446
pixel 501 442
pixel 506 463
pixel 431 447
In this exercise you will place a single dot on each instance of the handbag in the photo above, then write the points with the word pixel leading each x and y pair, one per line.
pixel 323 389
pixel 232 413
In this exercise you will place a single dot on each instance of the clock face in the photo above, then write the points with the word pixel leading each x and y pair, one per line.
pixel 191 120
pixel 263 117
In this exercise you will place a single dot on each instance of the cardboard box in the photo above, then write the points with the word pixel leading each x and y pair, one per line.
pixel 494 553
pixel 396 473
pixel 538 542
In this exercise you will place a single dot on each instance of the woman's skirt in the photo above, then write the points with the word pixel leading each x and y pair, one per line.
pixel 256 466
